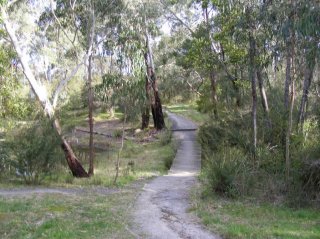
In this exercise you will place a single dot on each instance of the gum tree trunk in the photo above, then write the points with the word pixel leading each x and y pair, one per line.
pixel 263 95
pixel 145 118
pixel 90 101
pixel 156 106
pixel 212 76
pixel 91 31
pixel 214 93
pixel 41 94
pixel 252 76
pixel 308 75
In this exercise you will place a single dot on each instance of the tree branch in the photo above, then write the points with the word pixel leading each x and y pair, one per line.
pixel 177 18
pixel 63 83
pixel 38 89
pixel 61 27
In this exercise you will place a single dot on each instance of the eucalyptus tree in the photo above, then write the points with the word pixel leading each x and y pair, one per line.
pixel 140 30
pixel 39 89
pixel 69 18
pixel 308 33
pixel 298 22
pixel 95 22
pixel 149 14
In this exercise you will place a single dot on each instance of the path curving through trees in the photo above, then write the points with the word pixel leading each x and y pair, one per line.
pixel 161 209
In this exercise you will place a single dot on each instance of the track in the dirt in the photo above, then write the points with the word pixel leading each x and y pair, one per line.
pixel 161 209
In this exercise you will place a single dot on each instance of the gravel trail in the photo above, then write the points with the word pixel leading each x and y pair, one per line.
pixel 161 211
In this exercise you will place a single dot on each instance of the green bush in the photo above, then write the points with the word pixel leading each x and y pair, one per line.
pixel 34 151
pixel 228 172
pixel 4 158
pixel 165 137
pixel 117 133
pixel 214 135
pixel 310 176
pixel 168 161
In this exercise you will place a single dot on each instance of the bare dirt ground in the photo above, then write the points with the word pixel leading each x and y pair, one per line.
pixel 28 191
pixel 161 210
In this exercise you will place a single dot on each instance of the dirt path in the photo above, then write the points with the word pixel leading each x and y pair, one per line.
pixel 30 191
pixel 161 209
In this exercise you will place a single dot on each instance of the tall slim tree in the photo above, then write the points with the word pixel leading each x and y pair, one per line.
pixel 156 106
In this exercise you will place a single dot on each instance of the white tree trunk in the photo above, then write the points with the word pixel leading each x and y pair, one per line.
pixel 41 94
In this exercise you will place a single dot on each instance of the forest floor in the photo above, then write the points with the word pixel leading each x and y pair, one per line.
pixel 66 207
pixel 97 211
pixel 161 210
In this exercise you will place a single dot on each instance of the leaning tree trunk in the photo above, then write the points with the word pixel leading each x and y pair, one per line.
pixel 73 163
pixel 252 76
pixel 41 94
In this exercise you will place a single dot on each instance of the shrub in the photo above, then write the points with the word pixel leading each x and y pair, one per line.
pixel 4 162
pixel 214 135
pixel 311 177
pixel 117 133
pixel 34 151
pixel 228 172
pixel 165 137
pixel 168 162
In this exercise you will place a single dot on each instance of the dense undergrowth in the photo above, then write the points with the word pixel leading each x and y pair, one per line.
pixel 231 168
pixel 242 196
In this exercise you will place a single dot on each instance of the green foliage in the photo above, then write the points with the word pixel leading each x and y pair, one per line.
pixel 228 172
pixel 204 103
pixel 117 133
pixel 310 176
pixel 165 137
pixel 4 158
pixel 125 92
pixel 231 131
pixel 12 102
pixel 34 151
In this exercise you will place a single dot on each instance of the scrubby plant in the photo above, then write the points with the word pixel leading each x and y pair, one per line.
pixel 165 137
pixel 34 151
pixel 228 172
pixel 4 162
